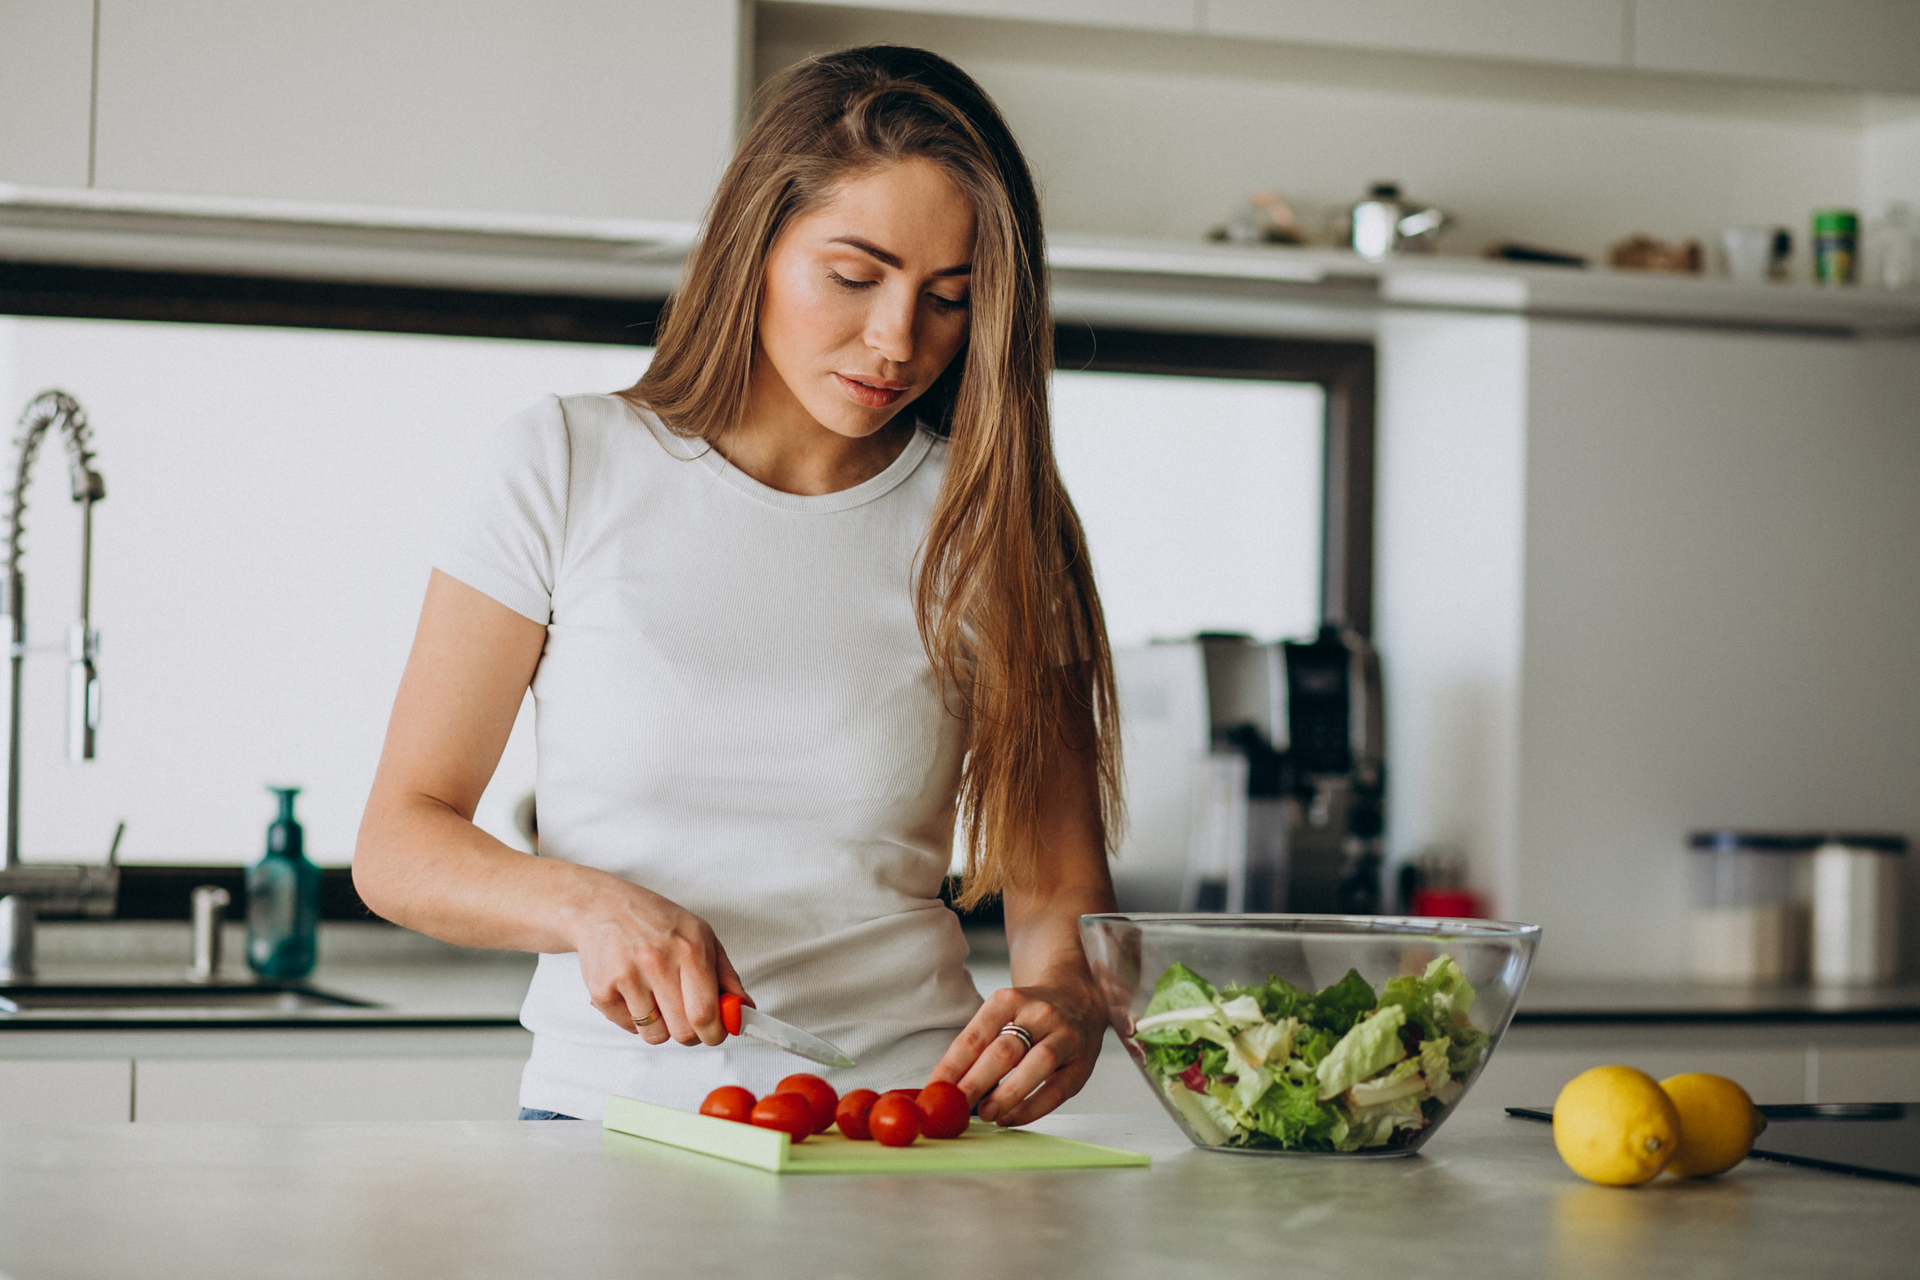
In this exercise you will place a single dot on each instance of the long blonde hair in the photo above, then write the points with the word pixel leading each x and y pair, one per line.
pixel 1004 594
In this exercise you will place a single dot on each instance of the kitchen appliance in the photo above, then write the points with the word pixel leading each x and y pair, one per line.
pixel 1255 774
pixel 1383 224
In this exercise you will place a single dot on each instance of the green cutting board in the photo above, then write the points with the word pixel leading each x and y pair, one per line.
pixel 982 1146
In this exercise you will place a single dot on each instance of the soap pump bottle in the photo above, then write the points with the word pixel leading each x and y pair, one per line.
pixel 283 901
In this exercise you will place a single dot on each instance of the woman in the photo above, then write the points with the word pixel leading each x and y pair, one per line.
pixel 808 589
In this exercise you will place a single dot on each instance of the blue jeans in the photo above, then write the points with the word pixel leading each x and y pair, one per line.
pixel 534 1113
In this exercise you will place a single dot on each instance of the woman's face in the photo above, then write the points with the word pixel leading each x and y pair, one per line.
pixel 865 302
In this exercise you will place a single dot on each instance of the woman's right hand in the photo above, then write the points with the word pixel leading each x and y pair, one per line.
pixel 641 953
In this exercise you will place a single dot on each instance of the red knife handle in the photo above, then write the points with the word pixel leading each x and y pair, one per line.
pixel 730 1012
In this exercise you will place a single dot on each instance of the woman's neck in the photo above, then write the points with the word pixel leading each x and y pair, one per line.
pixel 787 450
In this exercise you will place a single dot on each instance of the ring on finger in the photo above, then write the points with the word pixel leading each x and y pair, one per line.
pixel 1020 1033
pixel 652 1017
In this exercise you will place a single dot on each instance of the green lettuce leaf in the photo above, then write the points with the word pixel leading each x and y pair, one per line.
pixel 1372 1044
pixel 1341 1005
pixel 1293 1116
pixel 1401 1081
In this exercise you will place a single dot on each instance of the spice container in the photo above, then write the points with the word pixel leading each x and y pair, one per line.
pixel 1751 913
pixel 1836 235
pixel 1856 905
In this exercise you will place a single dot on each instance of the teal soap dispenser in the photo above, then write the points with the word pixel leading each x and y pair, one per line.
pixel 283 901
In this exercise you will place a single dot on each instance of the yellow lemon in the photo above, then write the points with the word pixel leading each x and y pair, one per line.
pixel 1615 1126
pixel 1718 1123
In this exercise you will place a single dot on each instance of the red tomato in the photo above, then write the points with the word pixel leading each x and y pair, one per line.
pixel 945 1106
pixel 903 1093
pixel 730 1012
pixel 895 1120
pixel 790 1113
pixel 851 1114
pixel 728 1102
pixel 817 1092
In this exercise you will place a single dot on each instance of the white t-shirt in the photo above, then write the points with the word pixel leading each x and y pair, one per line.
pixel 734 710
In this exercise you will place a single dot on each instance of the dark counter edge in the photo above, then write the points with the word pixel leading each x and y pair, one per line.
pixel 165 892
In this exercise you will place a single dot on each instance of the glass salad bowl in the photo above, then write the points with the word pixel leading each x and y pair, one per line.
pixel 1308 1035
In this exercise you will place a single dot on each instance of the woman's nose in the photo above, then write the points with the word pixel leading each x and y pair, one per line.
pixel 890 327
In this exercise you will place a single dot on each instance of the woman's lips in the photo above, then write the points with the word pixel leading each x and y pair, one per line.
pixel 872 397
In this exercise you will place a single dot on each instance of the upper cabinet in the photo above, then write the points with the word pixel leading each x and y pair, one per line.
pixel 1862 44
pixel 46 83
pixel 607 108
pixel 1137 15
pixel 1588 32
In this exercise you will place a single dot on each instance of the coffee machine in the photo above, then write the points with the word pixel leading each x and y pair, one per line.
pixel 1255 775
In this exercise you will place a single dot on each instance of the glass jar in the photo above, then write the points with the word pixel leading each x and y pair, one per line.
pixel 1892 251
pixel 1751 893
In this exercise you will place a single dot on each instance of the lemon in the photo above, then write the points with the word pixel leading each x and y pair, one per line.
pixel 1615 1126
pixel 1718 1123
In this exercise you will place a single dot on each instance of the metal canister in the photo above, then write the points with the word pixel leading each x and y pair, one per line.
pixel 1836 242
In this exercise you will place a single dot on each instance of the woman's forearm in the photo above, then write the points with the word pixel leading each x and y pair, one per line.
pixel 422 865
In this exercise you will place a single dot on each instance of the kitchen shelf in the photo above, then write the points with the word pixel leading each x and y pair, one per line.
pixel 1117 281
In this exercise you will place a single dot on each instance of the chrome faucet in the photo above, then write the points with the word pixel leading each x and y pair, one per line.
pixel 27 890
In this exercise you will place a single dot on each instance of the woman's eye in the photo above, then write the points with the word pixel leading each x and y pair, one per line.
pixel 845 283
pixel 944 303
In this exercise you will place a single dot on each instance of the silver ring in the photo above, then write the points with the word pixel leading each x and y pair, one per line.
pixel 649 1020
pixel 1015 1029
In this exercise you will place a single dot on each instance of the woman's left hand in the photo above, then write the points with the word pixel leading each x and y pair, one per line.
pixel 1014 1084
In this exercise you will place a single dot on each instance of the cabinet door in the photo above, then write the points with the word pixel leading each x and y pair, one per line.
pixel 267 1089
pixel 1865 44
pixel 611 108
pixel 1587 32
pixel 75 1090
pixel 1880 1073
pixel 46 91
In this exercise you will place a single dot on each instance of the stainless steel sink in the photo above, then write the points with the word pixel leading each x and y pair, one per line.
pixel 183 998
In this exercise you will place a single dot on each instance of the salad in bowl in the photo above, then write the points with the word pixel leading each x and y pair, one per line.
pixel 1274 1064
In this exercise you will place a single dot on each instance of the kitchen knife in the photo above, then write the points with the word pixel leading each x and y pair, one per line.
pixel 742 1019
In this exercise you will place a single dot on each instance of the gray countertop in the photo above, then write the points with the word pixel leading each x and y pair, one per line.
pixel 1487 1198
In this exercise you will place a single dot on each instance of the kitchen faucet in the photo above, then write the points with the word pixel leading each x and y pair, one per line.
pixel 26 891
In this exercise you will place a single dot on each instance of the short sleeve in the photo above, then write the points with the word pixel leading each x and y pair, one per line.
pixel 507 535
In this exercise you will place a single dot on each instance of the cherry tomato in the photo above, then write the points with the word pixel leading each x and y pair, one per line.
pixel 895 1120
pixel 728 1102
pixel 945 1107
pixel 903 1093
pixel 790 1113
pixel 816 1091
pixel 730 1012
pixel 851 1114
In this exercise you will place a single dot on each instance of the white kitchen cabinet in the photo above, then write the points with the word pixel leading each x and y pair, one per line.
pixel 328 1088
pixel 1862 44
pixel 77 1090
pixel 610 108
pixel 46 89
pixel 1586 32
pixel 1137 15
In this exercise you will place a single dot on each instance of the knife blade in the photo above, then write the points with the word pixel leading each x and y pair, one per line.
pixel 743 1019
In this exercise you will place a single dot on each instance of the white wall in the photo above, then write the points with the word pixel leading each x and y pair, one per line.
pixel 1722 601
pixel 1452 424
pixel 272 498
pixel 1166 135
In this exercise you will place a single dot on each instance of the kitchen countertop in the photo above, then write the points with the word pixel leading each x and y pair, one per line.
pixel 1487 1198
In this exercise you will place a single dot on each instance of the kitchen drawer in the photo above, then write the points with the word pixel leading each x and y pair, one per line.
pixel 80 1090
pixel 1865 1073
pixel 317 1088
